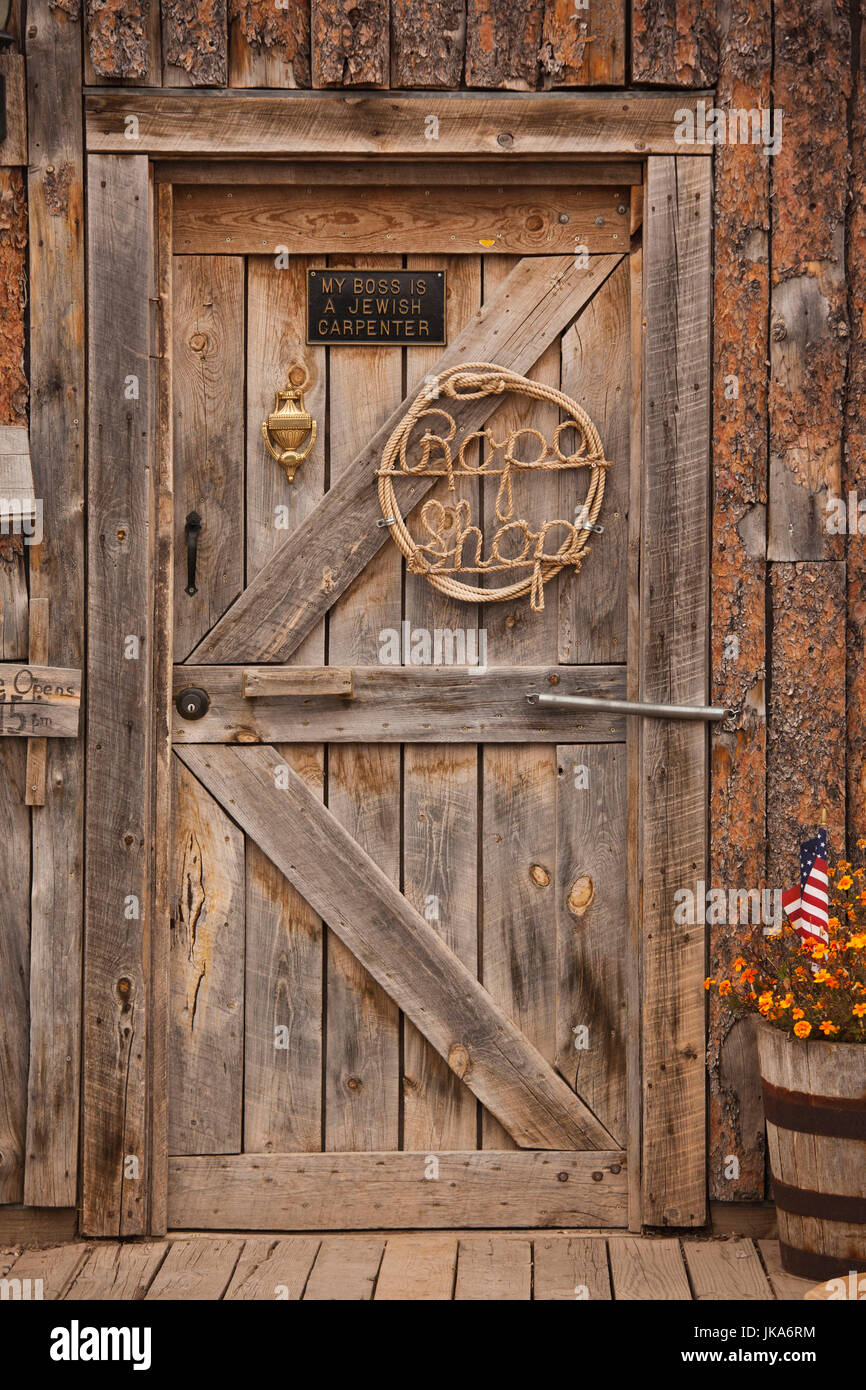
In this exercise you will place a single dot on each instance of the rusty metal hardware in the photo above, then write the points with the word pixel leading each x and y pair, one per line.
pixel 650 710
pixel 288 425
pixel 192 703
pixel 192 530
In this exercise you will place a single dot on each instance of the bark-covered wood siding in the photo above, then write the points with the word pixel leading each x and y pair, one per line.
pixel 788 597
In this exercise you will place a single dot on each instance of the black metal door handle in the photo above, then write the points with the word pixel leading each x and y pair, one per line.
pixel 193 527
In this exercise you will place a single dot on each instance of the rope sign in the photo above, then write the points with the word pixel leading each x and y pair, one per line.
pixel 452 544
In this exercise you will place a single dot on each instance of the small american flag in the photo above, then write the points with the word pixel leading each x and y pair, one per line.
pixel 808 906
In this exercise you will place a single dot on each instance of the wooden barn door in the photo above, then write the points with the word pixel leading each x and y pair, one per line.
pixel 405 940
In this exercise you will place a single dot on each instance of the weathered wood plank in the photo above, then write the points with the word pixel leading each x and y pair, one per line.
pixel 398 947
pixel 283 1042
pixel 119 679
pixel 726 1269
pixel 282 1274
pixel 37 748
pixel 593 940
pixel 674 42
pixel 117 1273
pixel 583 47
pixel 440 791
pixel 298 1192
pixel 351 126
pixel 417 1268
pixel 494 1270
pixel 674 562
pixel 206 1040
pixel 340 537
pixel 643 1269
pixel 350 48
pixel 14 905
pixel 13 150
pixel 427 43
pixel 394 704
pixel 276 330
pixel 806 735
pixel 362 1081
pixel 809 329
pixel 49 1271
pixel 207 346
pixel 345 1270
pixel 596 372
pixel 568 1268
pixel 249 219
pixel 37 1225
pixel 57 571
pixel 738 847
pixel 196 1270
pixel 269 45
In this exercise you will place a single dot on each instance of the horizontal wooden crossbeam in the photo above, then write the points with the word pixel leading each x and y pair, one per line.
pixel 396 704
pixel 296 124
pixel 301 1192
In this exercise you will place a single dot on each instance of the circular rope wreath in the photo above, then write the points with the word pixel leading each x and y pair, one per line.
pixel 440 558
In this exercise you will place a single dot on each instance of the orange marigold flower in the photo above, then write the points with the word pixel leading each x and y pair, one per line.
pixel 749 975
pixel 802 1029
pixel 786 1001
pixel 739 964
pixel 834 924
pixel 845 882
pixel 708 982
pixel 725 987
pixel 861 844
pixel 797 1013
pixel 819 950
pixel 822 977
pixel 859 1010
pixel 827 1027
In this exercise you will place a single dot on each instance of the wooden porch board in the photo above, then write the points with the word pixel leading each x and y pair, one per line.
pixel 405 704
pixel 300 125
pixel 399 947
pixel 301 1192
pixel 422 1266
pixel 729 1269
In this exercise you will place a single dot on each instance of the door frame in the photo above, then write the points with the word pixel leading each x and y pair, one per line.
pixel 130 545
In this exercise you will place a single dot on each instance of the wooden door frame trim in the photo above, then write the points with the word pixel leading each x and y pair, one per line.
pixel 153 776
pixel 295 124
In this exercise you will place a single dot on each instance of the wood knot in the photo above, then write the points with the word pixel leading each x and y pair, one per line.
pixel 539 875
pixel 581 895
pixel 459 1060
pixel 198 342
pixel 354 1083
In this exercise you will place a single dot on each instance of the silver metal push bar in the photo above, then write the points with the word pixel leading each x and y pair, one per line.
pixel 653 711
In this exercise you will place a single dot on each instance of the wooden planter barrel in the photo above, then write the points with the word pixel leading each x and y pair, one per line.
pixel 815 1107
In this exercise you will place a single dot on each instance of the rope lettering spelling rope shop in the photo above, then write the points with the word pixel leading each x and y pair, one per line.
pixel 453 544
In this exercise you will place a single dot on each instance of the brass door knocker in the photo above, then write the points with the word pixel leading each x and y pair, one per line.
pixel 289 423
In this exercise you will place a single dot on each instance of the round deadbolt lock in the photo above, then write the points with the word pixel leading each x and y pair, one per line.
pixel 192 703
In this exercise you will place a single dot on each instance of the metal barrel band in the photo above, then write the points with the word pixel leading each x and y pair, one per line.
pixel 809 1264
pixel 836 1117
pixel 826 1206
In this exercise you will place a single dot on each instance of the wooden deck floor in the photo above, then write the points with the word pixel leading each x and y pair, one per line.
pixel 407 1267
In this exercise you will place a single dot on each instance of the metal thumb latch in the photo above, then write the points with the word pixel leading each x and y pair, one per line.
pixel 712 713
pixel 192 529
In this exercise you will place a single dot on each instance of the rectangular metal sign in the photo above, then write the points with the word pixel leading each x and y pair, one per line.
pixel 376 307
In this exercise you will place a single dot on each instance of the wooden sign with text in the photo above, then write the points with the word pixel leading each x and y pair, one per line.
pixel 376 307
pixel 39 701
